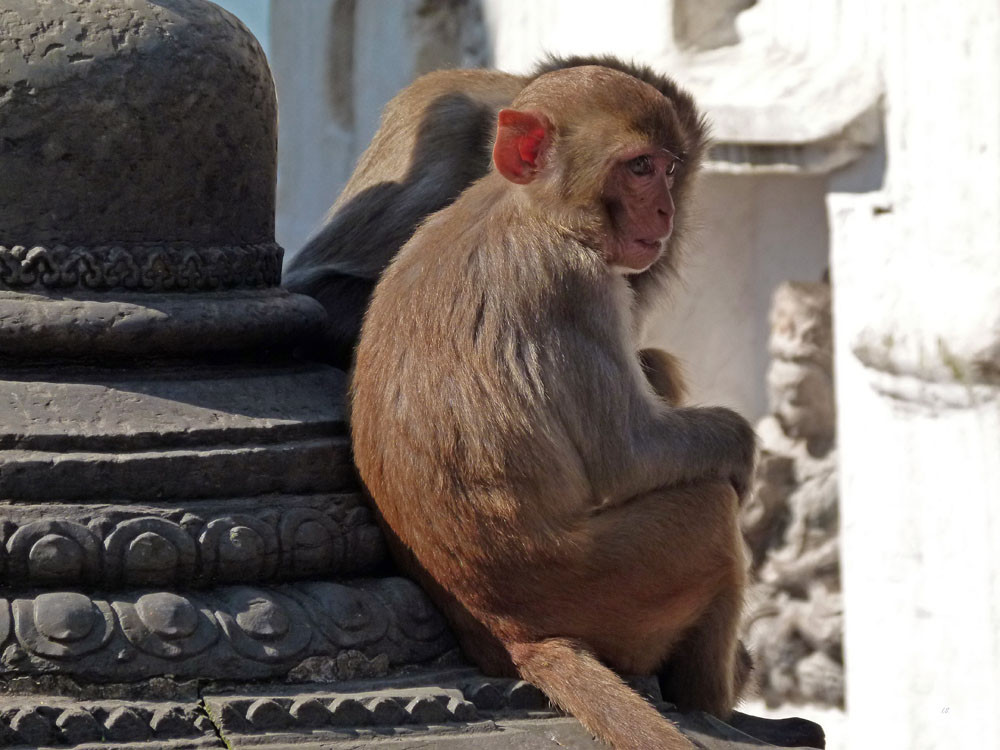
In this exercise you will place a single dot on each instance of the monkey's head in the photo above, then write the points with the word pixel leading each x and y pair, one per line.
pixel 600 150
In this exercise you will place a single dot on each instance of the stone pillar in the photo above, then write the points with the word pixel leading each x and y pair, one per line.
pixel 176 493
pixel 794 625
pixel 916 278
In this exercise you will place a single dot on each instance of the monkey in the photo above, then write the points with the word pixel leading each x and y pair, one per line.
pixel 569 522
pixel 434 140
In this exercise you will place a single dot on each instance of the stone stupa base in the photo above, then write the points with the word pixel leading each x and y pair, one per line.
pixel 448 707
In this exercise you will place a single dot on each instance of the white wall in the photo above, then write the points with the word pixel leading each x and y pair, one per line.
pixel 336 63
pixel 916 272
pixel 754 232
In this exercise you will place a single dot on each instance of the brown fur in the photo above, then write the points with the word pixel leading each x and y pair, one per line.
pixel 564 517
pixel 665 373
pixel 433 142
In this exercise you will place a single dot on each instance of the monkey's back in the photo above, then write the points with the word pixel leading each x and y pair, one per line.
pixel 455 419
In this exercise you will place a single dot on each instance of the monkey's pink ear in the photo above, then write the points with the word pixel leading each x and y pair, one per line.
pixel 518 149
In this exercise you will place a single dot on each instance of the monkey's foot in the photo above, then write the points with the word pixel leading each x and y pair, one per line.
pixel 790 732
pixel 745 731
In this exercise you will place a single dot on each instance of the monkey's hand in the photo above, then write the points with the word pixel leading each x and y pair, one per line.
pixel 665 373
pixel 734 445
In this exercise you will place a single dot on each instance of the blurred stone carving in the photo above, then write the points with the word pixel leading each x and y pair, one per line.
pixel 794 621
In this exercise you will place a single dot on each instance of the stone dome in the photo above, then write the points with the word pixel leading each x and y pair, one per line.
pixel 131 122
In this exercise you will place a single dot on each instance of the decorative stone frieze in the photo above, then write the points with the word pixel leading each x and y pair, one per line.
pixel 262 539
pixel 59 721
pixel 227 632
pixel 456 708
pixel 156 268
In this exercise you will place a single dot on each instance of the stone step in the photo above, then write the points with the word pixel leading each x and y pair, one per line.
pixel 450 709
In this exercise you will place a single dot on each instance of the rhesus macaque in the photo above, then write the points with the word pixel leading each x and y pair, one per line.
pixel 567 520
pixel 434 140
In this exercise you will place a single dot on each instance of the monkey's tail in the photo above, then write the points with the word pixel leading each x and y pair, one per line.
pixel 575 680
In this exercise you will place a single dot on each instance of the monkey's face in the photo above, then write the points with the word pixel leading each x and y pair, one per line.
pixel 597 148
pixel 640 206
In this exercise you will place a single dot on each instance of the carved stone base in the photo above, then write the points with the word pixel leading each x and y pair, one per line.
pixel 45 721
pixel 189 544
pixel 232 632
pixel 452 709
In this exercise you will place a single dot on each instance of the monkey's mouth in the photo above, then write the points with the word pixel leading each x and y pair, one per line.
pixel 640 254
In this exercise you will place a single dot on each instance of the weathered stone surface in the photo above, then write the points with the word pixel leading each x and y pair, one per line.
pixel 172 434
pixel 39 325
pixel 78 726
pixel 347 665
pixel 386 711
pixel 416 708
pixel 127 724
pixel 349 712
pixel 192 543
pixel 432 709
pixel 426 709
pixel 117 175
pixel 524 696
pixel 33 727
pixel 485 695
pixel 52 720
pixel 309 712
pixel 266 715
pixel 173 721
pixel 224 633
pixel 794 626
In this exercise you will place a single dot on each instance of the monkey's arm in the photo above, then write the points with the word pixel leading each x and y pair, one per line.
pixel 690 444
pixel 661 446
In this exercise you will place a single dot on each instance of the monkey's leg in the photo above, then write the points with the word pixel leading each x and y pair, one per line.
pixel 700 671
pixel 478 644
pixel 675 571
pixel 744 671
pixel 707 669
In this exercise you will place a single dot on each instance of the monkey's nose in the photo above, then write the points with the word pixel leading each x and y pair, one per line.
pixel 667 218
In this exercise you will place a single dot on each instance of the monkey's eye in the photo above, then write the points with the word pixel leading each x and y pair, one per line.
pixel 640 165
pixel 673 167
